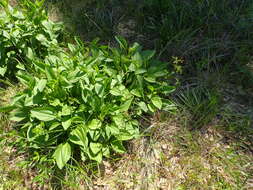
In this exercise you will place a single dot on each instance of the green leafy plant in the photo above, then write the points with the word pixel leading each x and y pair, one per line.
pixel 87 101
pixel 24 35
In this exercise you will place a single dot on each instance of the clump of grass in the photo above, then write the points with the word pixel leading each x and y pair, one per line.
pixel 200 104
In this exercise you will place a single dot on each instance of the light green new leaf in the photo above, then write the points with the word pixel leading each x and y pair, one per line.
pixel 43 114
pixel 150 79
pixel 156 100
pixel 124 136
pixel 20 66
pixel 30 54
pixel 119 121
pixel 96 147
pixel 41 38
pixel 95 124
pixel 3 70
pixel 66 110
pixel 116 91
pixel 136 92
pixel 124 107
pixel 66 124
pixel 62 154
pixel 71 47
pixel 140 71
pixel 41 84
pixel 99 89
pixel 143 106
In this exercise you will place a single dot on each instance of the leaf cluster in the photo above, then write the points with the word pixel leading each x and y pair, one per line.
pixel 24 35
pixel 84 101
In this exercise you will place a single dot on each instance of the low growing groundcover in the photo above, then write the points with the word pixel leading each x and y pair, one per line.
pixel 79 101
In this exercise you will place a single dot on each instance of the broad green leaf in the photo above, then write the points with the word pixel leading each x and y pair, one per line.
pixel 18 14
pixel 117 146
pixel 50 73
pixel 54 126
pixel 95 134
pixel 30 134
pixel 6 34
pixel 30 54
pixel 169 105
pixel 156 100
pixel 106 152
pixel 150 79
pixel 137 59
pixel 3 70
pixel 124 136
pixel 168 89
pixel 119 121
pixel 39 65
pixel 66 110
pixel 66 123
pixel 140 71
pixel 132 129
pixel 125 107
pixel 112 129
pixel 95 124
pixel 155 71
pixel 136 92
pixel 33 100
pixel 41 38
pixel 41 84
pixel 62 154
pixel 20 66
pixel 96 147
pixel 140 81
pixel 143 106
pixel 18 115
pixel 26 79
pixel 115 91
pixel 135 47
pixel 99 89
pixel 79 136
pixel 132 67
pixel 151 107
pixel 96 157
pixel 43 114
pixel 111 72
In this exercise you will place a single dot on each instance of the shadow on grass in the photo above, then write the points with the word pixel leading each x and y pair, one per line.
pixel 194 30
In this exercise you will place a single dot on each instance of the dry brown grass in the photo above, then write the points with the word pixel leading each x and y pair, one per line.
pixel 176 158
